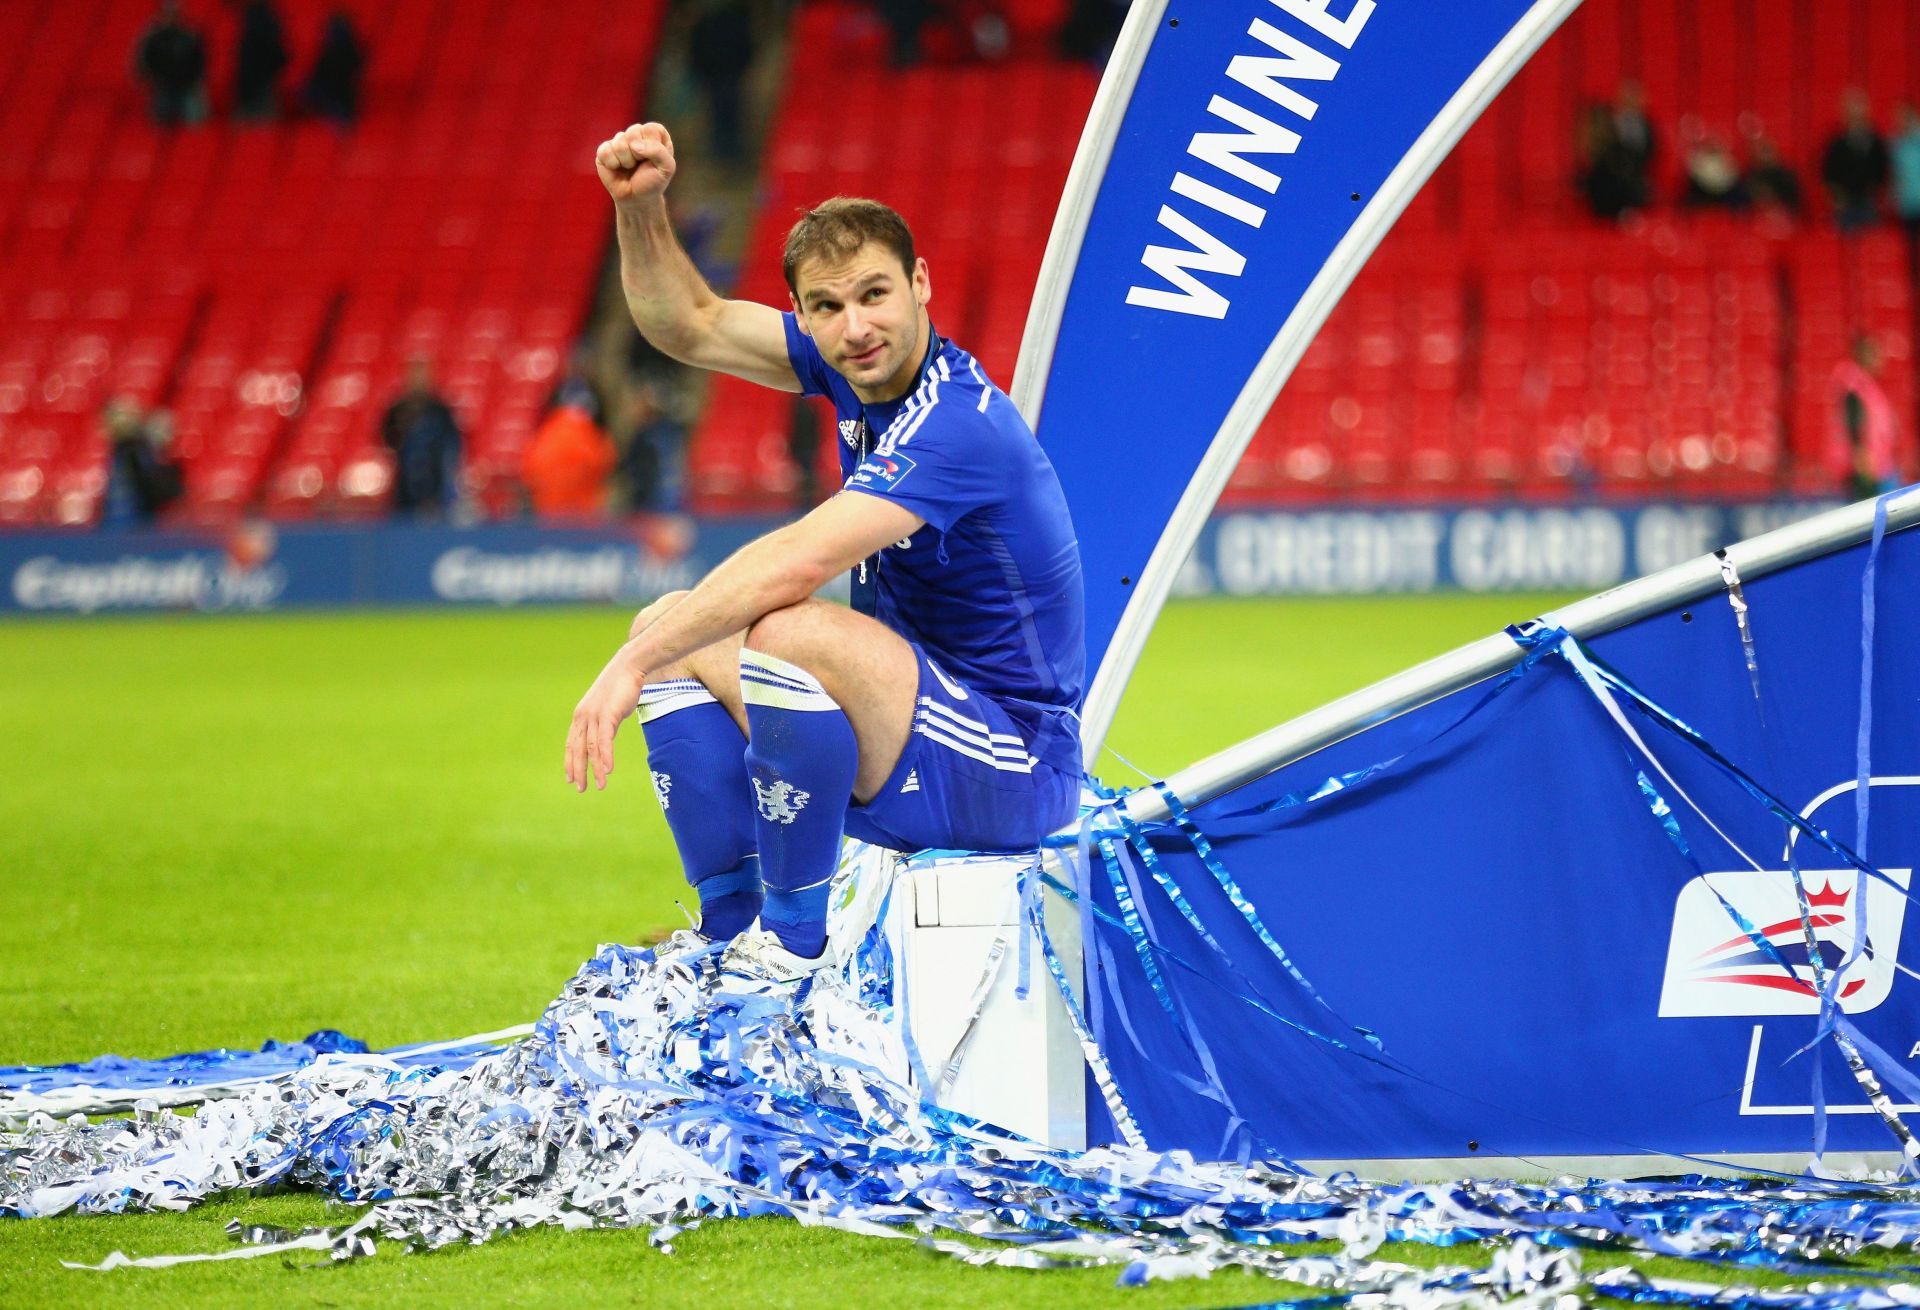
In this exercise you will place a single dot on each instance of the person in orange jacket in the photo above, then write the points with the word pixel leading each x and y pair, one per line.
pixel 566 465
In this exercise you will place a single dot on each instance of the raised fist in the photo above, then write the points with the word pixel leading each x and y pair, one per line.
pixel 635 164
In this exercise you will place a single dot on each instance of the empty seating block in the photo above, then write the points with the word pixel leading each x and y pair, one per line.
pixel 268 283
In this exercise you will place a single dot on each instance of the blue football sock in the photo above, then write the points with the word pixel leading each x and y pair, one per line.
pixel 802 758
pixel 697 756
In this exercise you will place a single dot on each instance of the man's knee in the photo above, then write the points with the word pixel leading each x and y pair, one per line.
pixel 793 633
pixel 849 654
pixel 646 617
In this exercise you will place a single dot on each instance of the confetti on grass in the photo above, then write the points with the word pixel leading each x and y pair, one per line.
pixel 663 1095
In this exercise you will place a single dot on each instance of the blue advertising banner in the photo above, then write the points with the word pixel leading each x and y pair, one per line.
pixel 1533 918
pixel 1243 159
pixel 1482 548
pixel 258 566
pixel 1241 553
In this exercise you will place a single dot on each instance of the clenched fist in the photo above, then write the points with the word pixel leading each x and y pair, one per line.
pixel 636 164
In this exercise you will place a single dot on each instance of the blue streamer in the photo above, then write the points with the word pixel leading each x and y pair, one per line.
pixel 1863 738
pixel 1139 926
pixel 1241 902
pixel 1029 907
pixel 1664 813
pixel 1654 713
pixel 1123 1119
pixel 193 1068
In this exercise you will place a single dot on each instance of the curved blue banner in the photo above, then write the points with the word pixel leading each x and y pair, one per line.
pixel 1264 148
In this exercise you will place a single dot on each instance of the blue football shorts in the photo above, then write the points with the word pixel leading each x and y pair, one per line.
pixel 966 779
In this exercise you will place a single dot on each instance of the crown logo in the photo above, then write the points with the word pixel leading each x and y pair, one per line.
pixel 1827 896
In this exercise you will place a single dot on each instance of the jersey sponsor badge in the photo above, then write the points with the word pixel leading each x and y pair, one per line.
pixel 881 472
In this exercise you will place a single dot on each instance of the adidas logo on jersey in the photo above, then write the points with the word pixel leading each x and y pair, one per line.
pixel 912 783
pixel 850 432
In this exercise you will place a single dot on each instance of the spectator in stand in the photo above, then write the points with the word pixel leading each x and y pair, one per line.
pixel 577 388
pixel 905 19
pixel 1864 461
pixel 1633 134
pixel 1091 28
pixel 141 479
pixel 720 49
pixel 258 63
pixel 566 465
pixel 989 37
pixel 420 430
pixel 1772 185
pixel 1608 177
pixel 650 463
pixel 332 91
pixel 1904 158
pixel 1855 166
pixel 1713 174
pixel 172 61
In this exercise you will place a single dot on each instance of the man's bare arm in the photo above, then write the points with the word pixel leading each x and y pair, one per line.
pixel 671 303
pixel 780 569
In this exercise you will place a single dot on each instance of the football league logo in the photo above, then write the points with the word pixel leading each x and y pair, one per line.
pixel 1717 969
pixel 779 802
pixel 881 472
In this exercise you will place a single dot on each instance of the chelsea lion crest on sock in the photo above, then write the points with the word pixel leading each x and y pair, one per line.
pixel 779 801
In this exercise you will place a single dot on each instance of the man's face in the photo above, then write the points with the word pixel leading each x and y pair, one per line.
pixel 866 315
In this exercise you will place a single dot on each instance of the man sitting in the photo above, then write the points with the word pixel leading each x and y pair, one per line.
pixel 941 710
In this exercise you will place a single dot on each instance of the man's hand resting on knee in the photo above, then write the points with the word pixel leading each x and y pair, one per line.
pixel 598 717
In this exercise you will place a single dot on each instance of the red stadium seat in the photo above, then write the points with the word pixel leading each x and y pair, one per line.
pixel 296 217
pixel 268 284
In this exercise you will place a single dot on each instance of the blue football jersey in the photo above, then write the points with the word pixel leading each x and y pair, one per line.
pixel 990 586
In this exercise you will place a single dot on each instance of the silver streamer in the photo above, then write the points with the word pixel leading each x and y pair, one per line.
pixel 664 1095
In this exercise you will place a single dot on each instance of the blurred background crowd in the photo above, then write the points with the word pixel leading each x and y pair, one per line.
pixel 350 261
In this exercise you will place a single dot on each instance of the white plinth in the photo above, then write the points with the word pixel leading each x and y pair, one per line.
pixel 1020 1066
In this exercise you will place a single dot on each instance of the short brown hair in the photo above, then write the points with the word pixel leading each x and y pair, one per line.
pixel 837 228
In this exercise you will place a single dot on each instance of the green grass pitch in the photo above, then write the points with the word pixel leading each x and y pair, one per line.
pixel 218 830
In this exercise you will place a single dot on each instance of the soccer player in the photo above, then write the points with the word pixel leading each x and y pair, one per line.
pixel 941 710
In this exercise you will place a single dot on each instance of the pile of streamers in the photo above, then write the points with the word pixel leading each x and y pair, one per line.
pixel 661 1094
